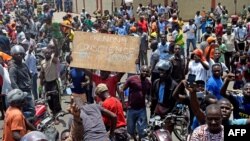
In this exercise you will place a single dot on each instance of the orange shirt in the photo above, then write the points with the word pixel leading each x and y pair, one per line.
pixel 14 120
pixel 211 55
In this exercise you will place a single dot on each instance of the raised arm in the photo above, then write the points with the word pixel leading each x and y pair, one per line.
pixel 178 90
pixel 195 106
pixel 113 119
pixel 223 90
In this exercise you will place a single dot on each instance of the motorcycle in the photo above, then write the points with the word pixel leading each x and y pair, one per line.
pixel 41 108
pixel 44 121
pixel 181 128
pixel 47 126
pixel 156 130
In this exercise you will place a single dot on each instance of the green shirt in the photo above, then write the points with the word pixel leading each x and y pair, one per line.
pixel 223 50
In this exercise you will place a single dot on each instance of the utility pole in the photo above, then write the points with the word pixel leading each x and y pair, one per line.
pixel 235 7
pixel 165 2
pixel 213 4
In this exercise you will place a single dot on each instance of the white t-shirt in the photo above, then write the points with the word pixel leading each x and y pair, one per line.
pixel 6 80
pixel 228 40
pixel 198 70
pixel 191 31
pixel 211 63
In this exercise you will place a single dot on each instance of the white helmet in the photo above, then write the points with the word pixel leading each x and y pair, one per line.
pixel 17 49
pixel 16 96
pixel 164 65
pixel 35 136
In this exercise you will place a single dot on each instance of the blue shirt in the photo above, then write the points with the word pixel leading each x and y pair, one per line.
pixel 242 121
pixel 161 93
pixel 162 27
pixel 241 106
pixel 121 30
pixel 77 76
pixel 203 27
pixel 214 85
pixel 30 61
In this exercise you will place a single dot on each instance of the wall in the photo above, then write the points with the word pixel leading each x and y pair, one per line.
pixel 187 7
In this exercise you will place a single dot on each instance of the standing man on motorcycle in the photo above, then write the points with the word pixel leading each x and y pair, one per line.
pixel 240 33
pixel 49 77
pixel 162 90
pixel 15 124
pixel 20 78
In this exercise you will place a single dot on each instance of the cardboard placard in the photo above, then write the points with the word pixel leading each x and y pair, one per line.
pixel 105 52
pixel 128 1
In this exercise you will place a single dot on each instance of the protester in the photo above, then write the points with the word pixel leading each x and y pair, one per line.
pixel 213 129
pixel 114 105
pixel 239 102
pixel 15 124
pixel 20 78
pixel 139 89
pixel 215 82
pixel 223 54
pixel 49 77
pixel 190 30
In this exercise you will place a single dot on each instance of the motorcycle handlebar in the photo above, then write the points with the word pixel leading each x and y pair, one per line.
pixel 51 92
pixel 50 122
pixel 173 116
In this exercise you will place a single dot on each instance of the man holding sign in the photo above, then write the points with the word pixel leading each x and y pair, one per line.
pixel 105 52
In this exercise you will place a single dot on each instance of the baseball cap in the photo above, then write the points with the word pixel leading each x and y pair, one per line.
pixel 101 88
pixel 133 29
pixel 211 39
pixel 199 53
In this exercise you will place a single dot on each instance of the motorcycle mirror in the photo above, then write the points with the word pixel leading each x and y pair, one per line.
pixel 157 118
pixel 68 91
pixel 151 120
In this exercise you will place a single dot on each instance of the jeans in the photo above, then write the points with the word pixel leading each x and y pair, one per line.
pixel 137 119
pixel 198 35
pixel 228 57
pixel 59 5
pixel 34 86
pixel 193 42
pixel 29 108
pixel 143 58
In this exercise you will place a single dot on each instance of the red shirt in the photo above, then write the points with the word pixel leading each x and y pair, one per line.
pixel 137 91
pixel 111 83
pixel 247 72
pixel 114 105
pixel 143 25
pixel 219 30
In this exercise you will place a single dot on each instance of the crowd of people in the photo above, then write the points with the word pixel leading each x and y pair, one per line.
pixel 219 55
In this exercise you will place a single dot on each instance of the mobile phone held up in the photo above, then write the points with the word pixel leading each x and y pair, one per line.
pixel 191 79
